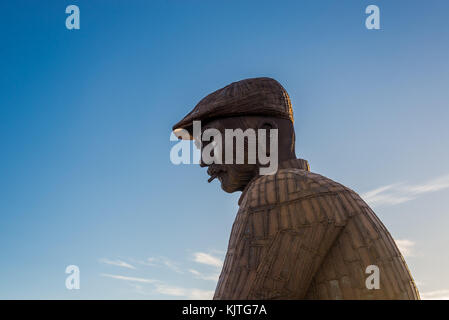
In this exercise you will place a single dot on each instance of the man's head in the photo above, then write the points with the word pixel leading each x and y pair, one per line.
pixel 246 129
pixel 247 138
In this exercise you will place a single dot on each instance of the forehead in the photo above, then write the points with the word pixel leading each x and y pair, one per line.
pixel 226 123
pixel 216 124
pixel 216 121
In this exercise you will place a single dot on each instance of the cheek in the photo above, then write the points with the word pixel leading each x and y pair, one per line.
pixel 228 178
pixel 231 177
pixel 228 184
pixel 225 177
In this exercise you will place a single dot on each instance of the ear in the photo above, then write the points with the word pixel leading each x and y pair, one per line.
pixel 267 124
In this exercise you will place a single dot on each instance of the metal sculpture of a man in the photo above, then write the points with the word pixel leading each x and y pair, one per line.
pixel 297 234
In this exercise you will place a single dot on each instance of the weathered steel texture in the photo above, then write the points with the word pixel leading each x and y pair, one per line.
pixel 257 96
pixel 299 235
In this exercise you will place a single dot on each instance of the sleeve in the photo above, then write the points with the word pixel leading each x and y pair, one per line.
pixel 297 251
pixel 275 251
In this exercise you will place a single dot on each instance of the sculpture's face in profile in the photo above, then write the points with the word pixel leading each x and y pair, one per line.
pixel 233 177
pixel 251 152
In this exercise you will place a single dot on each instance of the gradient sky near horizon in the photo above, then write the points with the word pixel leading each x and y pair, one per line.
pixel 86 116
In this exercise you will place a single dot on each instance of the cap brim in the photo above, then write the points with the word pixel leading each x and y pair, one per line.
pixel 182 134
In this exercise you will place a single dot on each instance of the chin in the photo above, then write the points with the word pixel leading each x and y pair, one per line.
pixel 228 187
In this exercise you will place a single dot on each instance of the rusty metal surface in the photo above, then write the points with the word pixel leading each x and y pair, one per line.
pixel 299 235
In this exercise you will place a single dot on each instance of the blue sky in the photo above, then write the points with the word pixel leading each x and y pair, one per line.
pixel 85 120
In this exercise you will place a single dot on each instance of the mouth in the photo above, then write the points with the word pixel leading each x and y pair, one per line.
pixel 215 171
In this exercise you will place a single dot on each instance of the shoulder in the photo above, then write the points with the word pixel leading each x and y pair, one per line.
pixel 291 185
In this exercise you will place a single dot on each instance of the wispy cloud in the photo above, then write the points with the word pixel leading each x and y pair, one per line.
pixel 171 265
pixel 386 195
pixel 194 294
pixel 200 275
pixel 118 263
pixel 171 291
pixel 208 259
pixel 401 192
pixel 162 261
pixel 198 294
pixel 150 286
pixel 161 288
pixel 131 279
pixel 150 262
pixel 406 247
pixel 435 295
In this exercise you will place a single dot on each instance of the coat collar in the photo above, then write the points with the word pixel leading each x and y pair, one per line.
pixel 287 164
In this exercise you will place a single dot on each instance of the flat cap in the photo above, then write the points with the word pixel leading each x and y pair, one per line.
pixel 255 96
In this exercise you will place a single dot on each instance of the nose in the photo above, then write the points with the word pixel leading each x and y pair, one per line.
pixel 202 146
